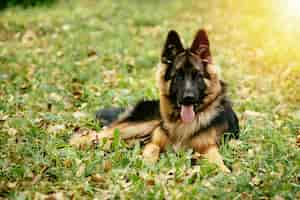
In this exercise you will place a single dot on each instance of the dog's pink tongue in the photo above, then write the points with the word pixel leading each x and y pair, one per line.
pixel 187 114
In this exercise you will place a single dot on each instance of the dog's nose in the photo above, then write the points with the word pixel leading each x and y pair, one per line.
pixel 188 98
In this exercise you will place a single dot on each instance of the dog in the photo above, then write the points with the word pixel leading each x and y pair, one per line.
pixel 193 110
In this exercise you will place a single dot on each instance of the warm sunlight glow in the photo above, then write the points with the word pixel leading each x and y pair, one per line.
pixel 293 7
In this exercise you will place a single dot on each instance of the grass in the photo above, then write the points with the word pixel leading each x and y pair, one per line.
pixel 60 64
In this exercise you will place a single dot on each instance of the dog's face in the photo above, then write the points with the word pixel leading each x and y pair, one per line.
pixel 187 73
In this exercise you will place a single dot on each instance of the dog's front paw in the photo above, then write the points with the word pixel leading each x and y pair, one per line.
pixel 151 153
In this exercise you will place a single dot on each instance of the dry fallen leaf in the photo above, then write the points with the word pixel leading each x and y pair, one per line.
pixel 296 114
pixel 97 178
pixel 56 128
pixel 59 54
pixel 28 37
pixel 55 97
pixel 107 165
pixel 81 170
pixel 298 140
pixel 253 114
pixel 245 196
pixel 150 182
pixel 68 163
pixel 256 181
pixel 66 27
pixel 207 184
pixel 79 115
pixel 110 77
pixel 77 90
pixel 55 196
pixel 278 197
pixel 92 53
pixel 250 152
pixel 11 185
pixel 12 131
pixel 236 168
pixel 3 117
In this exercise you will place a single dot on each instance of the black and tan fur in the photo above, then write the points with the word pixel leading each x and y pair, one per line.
pixel 185 77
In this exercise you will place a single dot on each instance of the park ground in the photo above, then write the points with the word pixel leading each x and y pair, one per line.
pixel 61 63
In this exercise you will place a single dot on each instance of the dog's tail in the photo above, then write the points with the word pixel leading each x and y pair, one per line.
pixel 135 124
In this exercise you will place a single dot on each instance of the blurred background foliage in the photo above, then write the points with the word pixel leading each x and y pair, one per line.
pixel 24 3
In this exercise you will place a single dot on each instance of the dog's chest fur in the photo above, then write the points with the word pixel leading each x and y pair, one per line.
pixel 181 133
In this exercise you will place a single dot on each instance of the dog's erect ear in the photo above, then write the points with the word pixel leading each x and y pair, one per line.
pixel 200 46
pixel 172 47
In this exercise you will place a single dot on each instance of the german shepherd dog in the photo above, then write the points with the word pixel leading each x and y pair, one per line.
pixel 192 111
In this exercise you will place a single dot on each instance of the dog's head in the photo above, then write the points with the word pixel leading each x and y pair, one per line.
pixel 187 74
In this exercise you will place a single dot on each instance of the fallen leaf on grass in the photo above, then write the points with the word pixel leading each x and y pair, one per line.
pixel 255 181
pixel 250 152
pixel 55 97
pixel 41 123
pixel 66 27
pixel 91 53
pixel 79 115
pixel 12 131
pixel 59 54
pixel 67 163
pixel 245 196
pixel 207 184
pixel 56 128
pixel 296 114
pixel 110 77
pixel 150 182
pixel 298 141
pixel 77 90
pixel 254 151
pixel 25 86
pixel 107 165
pixel 12 185
pixel 3 117
pixel 154 31
pixel 236 168
pixel 248 114
pixel 278 197
pixel 97 178
pixel 55 196
pixel 81 170
pixel 28 37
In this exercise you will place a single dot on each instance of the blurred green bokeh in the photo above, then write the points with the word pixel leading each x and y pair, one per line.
pixel 24 3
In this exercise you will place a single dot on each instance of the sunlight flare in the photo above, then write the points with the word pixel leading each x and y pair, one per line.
pixel 293 7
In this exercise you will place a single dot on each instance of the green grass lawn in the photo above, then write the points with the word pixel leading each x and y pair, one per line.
pixel 60 64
